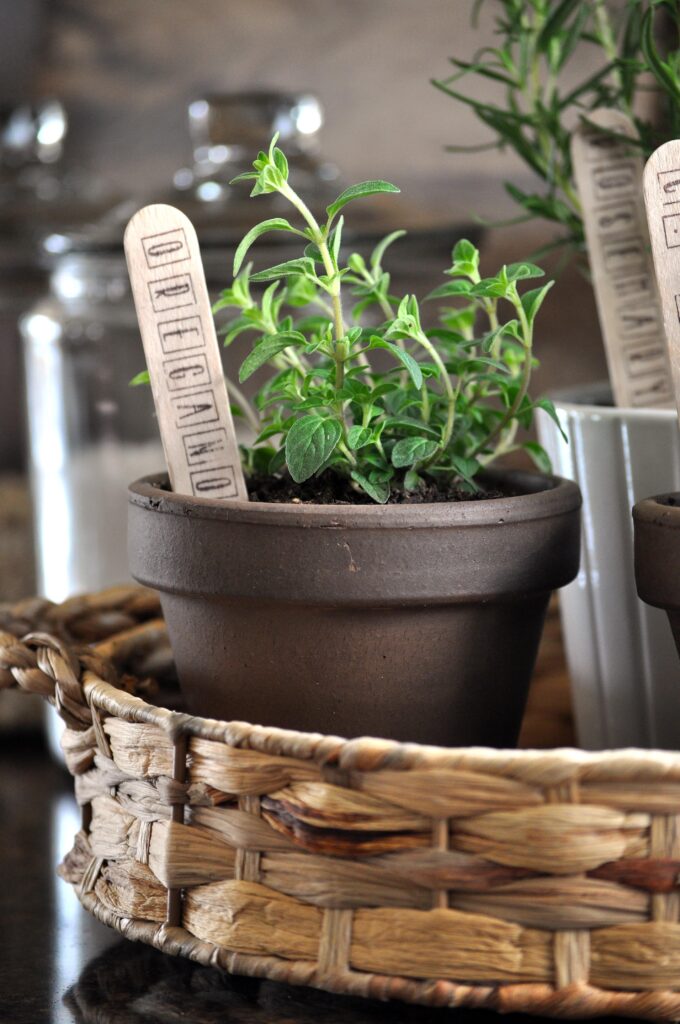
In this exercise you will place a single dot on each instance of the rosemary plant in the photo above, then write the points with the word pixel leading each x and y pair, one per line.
pixel 539 103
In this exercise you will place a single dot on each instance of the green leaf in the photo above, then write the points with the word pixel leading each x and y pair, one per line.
pixel 402 424
pixel 555 22
pixel 490 288
pixel 300 292
pixel 238 295
pixel 310 442
pixel 379 251
pixel 356 263
pixel 465 468
pixel 233 329
pixel 353 335
pixel 410 450
pixel 290 268
pixel 268 306
pixel 354 390
pixel 364 188
pixel 277 461
pixel 270 179
pixel 539 456
pixel 465 252
pixel 271 431
pixel 266 349
pixel 464 258
pixel 404 357
pixel 486 342
pixel 483 70
pixel 140 378
pixel 385 387
pixel 661 70
pixel 246 176
pixel 377 489
pixel 313 252
pixel 273 224
pixel 521 271
pixel 444 291
pixel 357 437
pixel 533 300
pixel 335 240
pixel 549 408
pixel 412 480
pixel 280 161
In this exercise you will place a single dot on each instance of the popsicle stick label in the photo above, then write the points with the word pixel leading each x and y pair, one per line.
pixel 608 175
pixel 662 200
pixel 182 354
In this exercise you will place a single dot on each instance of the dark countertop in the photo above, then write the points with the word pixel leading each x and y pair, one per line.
pixel 60 966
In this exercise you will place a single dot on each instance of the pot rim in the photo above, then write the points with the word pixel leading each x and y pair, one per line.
pixel 545 497
pixel 569 401
pixel 656 510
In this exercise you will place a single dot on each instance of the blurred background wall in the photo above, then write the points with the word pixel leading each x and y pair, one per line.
pixel 126 70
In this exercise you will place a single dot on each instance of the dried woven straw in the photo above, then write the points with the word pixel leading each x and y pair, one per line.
pixel 539 882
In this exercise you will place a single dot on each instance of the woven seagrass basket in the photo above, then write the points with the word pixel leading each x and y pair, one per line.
pixel 542 882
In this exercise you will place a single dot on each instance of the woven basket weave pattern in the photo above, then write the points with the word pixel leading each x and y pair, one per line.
pixel 543 882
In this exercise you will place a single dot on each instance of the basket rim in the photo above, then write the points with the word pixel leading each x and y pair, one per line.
pixel 368 753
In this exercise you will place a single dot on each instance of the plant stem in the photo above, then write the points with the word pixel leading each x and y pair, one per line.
pixel 491 311
pixel 385 305
pixel 607 40
pixel 388 313
pixel 248 412
pixel 320 240
pixel 335 288
pixel 449 390
pixel 527 334
pixel 322 245
pixel 425 403
pixel 351 458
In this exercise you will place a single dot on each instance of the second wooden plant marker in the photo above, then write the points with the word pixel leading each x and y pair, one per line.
pixel 182 355
pixel 662 199
pixel 608 174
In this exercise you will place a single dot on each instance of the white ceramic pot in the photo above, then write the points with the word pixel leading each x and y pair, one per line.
pixel 623 664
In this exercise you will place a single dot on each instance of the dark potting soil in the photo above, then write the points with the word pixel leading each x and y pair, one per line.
pixel 331 489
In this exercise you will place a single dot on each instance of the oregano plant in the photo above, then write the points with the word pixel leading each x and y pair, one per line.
pixel 361 382
pixel 446 400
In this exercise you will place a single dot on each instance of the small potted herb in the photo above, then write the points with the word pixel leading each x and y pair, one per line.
pixel 383 579
pixel 622 662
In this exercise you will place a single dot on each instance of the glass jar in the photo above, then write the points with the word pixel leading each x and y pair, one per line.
pixel 37 197
pixel 90 432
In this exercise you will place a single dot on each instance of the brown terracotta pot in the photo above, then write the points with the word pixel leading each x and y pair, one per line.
pixel 657 555
pixel 412 622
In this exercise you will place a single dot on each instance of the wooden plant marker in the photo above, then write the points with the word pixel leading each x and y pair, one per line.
pixel 182 354
pixel 608 175
pixel 662 199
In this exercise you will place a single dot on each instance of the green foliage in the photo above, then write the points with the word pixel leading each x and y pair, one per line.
pixel 541 95
pixel 390 403
pixel 310 442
